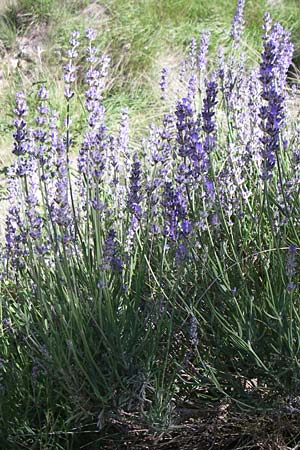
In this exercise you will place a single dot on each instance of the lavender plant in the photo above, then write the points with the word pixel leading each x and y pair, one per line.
pixel 127 268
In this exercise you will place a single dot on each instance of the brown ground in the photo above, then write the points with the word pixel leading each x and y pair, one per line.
pixel 213 430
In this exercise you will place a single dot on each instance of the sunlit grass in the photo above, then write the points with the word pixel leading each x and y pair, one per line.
pixel 137 34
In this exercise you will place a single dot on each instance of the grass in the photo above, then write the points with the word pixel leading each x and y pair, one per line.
pixel 137 34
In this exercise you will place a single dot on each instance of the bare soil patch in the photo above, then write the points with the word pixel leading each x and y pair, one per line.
pixel 214 430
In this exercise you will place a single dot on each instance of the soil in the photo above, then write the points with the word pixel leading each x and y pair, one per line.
pixel 206 430
pixel 94 11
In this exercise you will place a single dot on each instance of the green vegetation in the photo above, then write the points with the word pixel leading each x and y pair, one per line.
pixel 140 36
pixel 150 256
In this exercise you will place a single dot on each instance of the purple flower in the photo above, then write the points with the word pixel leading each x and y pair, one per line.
pixel 193 331
pixel 208 111
pixel 60 209
pixel 291 261
pixel 68 93
pixel 15 229
pixel 163 83
pixel 72 52
pixel 34 219
pixel 238 22
pixel 276 59
pixel 291 266
pixel 110 257
pixel 185 127
pixel 174 211
pixel 69 68
pixel 193 53
pixel 119 158
pixel 210 190
pixel 90 34
pixel 203 49
pixel 186 227
pixel 192 87
pixel 43 94
pixel 134 194
pixel 21 109
pixel 20 134
pixel 93 154
pixel 91 159
pixel 123 137
pixel 40 133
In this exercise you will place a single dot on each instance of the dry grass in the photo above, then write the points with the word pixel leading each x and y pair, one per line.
pixel 214 429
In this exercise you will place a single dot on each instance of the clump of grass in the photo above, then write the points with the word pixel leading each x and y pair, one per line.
pixel 7 33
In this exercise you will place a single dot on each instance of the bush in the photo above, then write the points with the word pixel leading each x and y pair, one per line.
pixel 134 277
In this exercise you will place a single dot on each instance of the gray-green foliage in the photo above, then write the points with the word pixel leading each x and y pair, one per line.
pixel 81 344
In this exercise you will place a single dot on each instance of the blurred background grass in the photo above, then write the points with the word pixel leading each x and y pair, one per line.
pixel 141 36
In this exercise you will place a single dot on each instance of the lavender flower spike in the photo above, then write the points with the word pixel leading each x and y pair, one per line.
pixel 163 83
pixel 291 265
pixel 203 49
pixel 110 258
pixel 20 134
pixel 90 34
pixel 208 113
pixel 238 22
pixel 276 59
pixel 134 195
pixel 69 69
